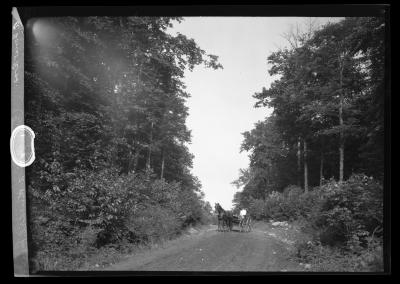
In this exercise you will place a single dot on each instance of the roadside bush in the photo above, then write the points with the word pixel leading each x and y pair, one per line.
pixel 291 203
pixel 346 223
pixel 257 209
pixel 336 259
pixel 351 211
pixel 344 214
pixel 94 209
pixel 292 191
pixel 207 218
pixel 153 223
pixel 274 206
pixel 371 259
pixel 189 210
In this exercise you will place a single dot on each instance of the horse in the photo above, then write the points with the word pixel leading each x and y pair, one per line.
pixel 224 218
pixel 228 220
pixel 220 213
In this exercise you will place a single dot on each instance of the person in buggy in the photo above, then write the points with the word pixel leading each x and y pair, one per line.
pixel 242 214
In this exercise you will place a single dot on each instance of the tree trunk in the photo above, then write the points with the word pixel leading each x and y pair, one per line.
pixel 341 138
pixel 130 161
pixel 321 169
pixel 131 156
pixel 266 188
pixel 305 167
pixel 136 152
pixel 150 145
pixel 298 162
pixel 138 75
pixel 162 165
pixel 136 160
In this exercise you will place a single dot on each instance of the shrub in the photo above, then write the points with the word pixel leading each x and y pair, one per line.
pixel 153 223
pixel 257 209
pixel 95 209
pixel 274 207
pixel 335 259
pixel 291 203
pixel 348 218
pixel 292 191
pixel 344 221
pixel 351 211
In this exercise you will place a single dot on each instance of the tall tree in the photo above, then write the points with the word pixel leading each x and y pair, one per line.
pixel 322 99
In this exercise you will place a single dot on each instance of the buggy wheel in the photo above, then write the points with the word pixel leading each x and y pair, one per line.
pixel 248 225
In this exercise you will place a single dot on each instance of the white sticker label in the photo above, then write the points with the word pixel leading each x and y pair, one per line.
pixel 22 146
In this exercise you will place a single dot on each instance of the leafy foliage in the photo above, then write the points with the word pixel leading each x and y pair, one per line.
pixel 344 220
pixel 325 96
pixel 353 210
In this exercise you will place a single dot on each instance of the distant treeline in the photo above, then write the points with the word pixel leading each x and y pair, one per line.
pixel 105 98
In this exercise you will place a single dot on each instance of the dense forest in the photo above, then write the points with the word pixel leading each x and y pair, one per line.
pixel 319 157
pixel 106 100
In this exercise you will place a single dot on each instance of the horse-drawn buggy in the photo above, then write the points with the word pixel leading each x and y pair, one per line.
pixel 226 220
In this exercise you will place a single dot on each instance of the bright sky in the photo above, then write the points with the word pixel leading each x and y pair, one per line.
pixel 221 106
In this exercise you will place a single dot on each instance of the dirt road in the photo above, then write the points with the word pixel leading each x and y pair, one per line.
pixel 209 250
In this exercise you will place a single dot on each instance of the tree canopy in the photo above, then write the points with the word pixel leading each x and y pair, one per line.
pixel 106 100
pixel 328 104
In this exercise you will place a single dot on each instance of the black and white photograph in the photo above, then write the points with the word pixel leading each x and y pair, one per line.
pixel 199 143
